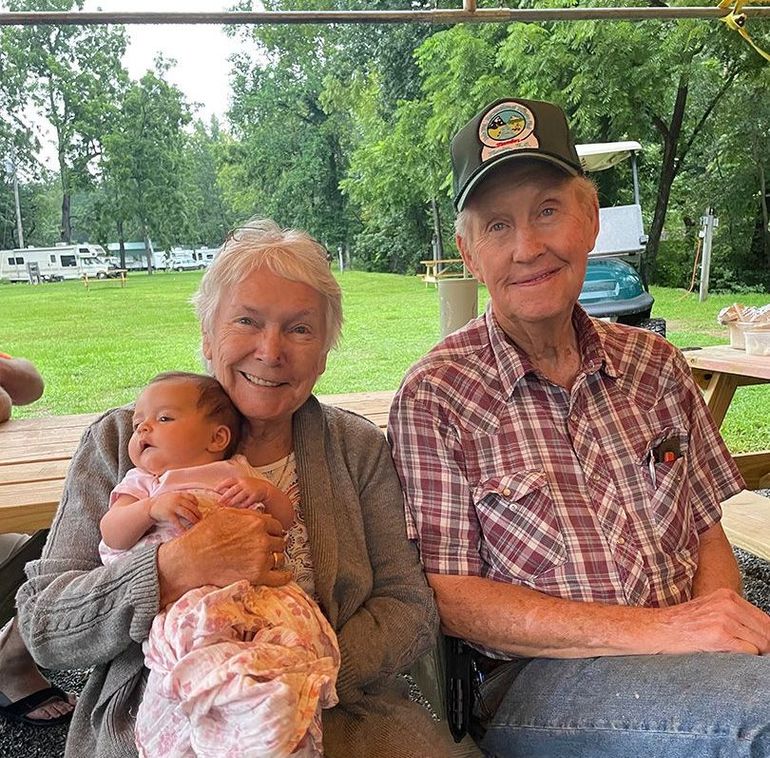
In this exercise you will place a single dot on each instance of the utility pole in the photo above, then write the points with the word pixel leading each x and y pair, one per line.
pixel 19 228
pixel 11 167
pixel 708 223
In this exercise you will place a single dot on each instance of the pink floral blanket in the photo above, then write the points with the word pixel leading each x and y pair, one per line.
pixel 238 671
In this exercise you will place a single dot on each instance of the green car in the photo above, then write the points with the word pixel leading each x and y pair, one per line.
pixel 614 286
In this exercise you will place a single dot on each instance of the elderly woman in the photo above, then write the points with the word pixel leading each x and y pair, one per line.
pixel 269 311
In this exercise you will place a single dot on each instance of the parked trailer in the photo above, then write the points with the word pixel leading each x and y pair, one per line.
pixel 50 264
pixel 136 257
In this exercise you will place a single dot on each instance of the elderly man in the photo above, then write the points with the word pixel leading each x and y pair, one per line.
pixel 563 478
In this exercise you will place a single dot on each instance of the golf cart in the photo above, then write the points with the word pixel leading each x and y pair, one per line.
pixel 614 286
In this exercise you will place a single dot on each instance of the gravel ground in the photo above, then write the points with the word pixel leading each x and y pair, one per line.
pixel 18 741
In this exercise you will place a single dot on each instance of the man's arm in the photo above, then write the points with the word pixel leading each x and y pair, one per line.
pixel 717 566
pixel 521 621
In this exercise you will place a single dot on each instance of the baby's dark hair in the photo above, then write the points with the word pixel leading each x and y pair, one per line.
pixel 212 397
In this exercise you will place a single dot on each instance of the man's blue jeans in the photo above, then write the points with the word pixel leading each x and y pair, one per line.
pixel 658 706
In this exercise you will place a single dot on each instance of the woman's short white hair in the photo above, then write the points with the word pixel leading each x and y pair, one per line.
pixel 289 253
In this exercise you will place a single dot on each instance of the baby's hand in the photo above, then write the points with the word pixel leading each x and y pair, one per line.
pixel 243 492
pixel 171 507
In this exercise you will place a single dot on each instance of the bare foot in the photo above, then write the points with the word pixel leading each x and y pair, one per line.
pixel 19 676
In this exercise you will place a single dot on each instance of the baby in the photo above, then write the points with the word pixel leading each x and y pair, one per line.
pixel 239 670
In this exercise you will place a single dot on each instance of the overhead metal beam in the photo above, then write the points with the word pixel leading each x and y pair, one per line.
pixel 468 14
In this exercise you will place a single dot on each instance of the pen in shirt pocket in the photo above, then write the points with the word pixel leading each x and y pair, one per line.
pixel 667 451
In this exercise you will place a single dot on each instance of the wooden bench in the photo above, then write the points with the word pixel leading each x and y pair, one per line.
pixel 746 521
pixel 35 454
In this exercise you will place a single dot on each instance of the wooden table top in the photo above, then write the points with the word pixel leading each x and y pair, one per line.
pixel 35 454
pixel 728 360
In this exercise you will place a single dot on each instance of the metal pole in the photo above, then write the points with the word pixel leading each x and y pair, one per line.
pixel 635 176
pixel 709 222
pixel 451 16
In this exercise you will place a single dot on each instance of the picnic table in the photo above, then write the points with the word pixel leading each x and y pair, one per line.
pixel 720 370
pixel 446 268
pixel 116 274
pixel 35 454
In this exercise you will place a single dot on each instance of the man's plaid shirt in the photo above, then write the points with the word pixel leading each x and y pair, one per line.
pixel 510 477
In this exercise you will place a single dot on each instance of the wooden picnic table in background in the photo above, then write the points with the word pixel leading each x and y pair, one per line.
pixel 446 268
pixel 720 370
pixel 116 274
pixel 35 455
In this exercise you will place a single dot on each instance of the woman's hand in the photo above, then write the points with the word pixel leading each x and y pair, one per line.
pixel 225 547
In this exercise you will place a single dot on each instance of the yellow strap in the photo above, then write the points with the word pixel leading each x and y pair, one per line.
pixel 736 21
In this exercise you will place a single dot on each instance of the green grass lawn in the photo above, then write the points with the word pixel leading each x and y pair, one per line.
pixel 96 348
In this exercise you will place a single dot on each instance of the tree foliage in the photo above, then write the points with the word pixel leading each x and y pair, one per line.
pixel 344 130
pixel 145 162
pixel 73 75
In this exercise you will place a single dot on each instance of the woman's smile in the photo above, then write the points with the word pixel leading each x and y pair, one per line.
pixel 259 381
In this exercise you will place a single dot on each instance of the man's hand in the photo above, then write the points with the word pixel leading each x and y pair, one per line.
pixel 719 622
pixel 172 507
pixel 5 405
pixel 225 547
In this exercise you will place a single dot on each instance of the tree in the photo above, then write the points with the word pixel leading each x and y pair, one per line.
pixel 614 79
pixel 731 173
pixel 72 75
pixel 143 164
pixel 289 151
pixel 210 219
pixel 295 122
pixel 399 170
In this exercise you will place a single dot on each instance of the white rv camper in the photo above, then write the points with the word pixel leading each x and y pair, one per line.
pixel 52 264
pixel 205 256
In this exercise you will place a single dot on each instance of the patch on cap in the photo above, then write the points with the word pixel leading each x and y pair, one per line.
pixel 507 126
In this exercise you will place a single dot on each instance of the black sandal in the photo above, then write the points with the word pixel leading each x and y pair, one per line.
pixel 18 711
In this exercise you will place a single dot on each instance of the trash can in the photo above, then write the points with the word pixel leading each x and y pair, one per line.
pixel 458 303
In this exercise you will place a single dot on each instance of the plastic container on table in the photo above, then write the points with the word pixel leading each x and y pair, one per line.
pixel 737 329
pixel 757 339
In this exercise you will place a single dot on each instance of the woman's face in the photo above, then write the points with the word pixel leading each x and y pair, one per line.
pixel 267 345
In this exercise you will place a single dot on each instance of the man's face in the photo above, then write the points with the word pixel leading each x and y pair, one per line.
pixel 528 236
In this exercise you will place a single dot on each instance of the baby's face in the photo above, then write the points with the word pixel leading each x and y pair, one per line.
pixel 170 430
